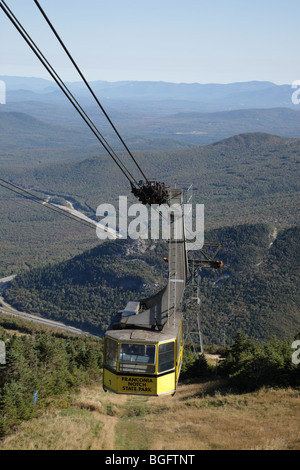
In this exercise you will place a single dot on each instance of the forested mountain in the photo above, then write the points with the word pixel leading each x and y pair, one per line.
pixel 256 291
pixel 248 178
pixel 19 130
pixel 47 125
pixel 90 288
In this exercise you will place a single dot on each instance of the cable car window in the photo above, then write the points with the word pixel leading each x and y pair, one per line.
pixel 111 353
pixel 135 357
pixel 166 357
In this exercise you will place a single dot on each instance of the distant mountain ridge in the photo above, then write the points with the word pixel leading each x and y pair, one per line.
pixel 158 115
pixel 239 95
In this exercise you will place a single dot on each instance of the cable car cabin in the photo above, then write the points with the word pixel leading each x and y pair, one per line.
pixel 143 350
pixel 141 361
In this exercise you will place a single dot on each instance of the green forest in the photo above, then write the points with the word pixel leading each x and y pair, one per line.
pixel 39 366
pixel 249 178
pixel 248 364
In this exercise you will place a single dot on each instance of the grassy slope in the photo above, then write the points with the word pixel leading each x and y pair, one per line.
pixel 202 416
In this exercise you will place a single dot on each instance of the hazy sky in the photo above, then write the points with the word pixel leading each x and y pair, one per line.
pixel 202 41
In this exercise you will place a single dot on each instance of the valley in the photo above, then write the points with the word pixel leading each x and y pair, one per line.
pixel 250 178
pixel 247 182
pixel 239 146
pixel 87 290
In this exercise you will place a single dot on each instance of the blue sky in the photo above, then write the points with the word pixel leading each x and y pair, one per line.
pixel 220 41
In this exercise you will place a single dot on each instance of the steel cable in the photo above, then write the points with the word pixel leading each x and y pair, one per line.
pixel 66 91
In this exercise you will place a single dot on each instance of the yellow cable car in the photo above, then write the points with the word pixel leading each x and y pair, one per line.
pixel 144 362
pixel 143 351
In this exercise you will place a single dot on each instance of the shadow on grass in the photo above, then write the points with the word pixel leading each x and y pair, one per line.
pixel 209 386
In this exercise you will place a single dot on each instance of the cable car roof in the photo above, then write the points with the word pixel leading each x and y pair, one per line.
pixel 169 332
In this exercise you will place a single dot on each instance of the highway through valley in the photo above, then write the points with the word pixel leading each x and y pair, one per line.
pixel 8 310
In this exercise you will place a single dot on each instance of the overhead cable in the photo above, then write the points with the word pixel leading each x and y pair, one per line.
pixel 65 90
pixel 87 84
